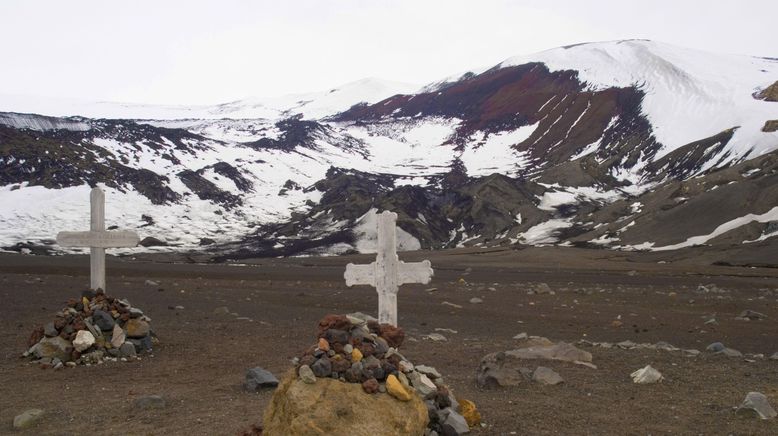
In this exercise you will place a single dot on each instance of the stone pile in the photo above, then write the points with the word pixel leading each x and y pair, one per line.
pixel 91 330
pixel 356 349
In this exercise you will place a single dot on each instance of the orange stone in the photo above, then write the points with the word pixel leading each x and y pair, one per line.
pixel 356 355
pixel 469 412
pixel 324 345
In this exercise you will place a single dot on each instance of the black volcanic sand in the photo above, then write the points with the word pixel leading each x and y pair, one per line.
pixel 201 362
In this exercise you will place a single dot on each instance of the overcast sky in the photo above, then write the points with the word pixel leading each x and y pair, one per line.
pixel 209 52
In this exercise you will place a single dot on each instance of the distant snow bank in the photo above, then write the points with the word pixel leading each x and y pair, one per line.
pixel 310 105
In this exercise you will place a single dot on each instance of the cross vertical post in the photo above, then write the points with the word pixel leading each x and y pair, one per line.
pixel 97 224
pixel 97 239
pixel 388 272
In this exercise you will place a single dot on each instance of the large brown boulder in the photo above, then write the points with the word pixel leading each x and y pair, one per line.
pixel 330 407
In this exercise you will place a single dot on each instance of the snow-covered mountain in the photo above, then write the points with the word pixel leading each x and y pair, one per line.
pixel 310 105
pixel 624 144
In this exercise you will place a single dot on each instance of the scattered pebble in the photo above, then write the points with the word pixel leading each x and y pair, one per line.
pixel 150 402
pixel 646 375
pixel 27 418
pixel 436 337
pixel 756 404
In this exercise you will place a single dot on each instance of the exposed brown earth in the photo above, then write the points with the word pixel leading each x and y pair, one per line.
pixel 770 93
pixel 200 364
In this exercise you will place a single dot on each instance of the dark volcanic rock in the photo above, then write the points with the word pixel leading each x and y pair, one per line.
pixel 150 241
pixel 259 378
pixel 206 190
pixel 770 93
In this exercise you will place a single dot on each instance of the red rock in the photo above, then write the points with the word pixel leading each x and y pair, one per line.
pixel 35 336
pixel 370 386
pixel 374 327
pixel 394 336
pixel 337 347
pixel 340 365
pixel 394 360
pixel 366 348
pixel 307 360
pixel 339 322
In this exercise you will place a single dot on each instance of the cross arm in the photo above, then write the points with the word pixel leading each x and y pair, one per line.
pixel 416 272
pixel 360 274
pixel 112 239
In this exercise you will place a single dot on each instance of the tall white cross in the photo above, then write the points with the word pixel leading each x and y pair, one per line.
pixel 388 272
pixel 98 239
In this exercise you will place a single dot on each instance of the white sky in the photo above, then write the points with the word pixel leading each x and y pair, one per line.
pixel 193 51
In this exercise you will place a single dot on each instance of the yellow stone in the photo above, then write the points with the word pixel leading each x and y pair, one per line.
pixel 330 407
pixel 396 389
pixel 469 412
pixel 356 355
pixel 85 301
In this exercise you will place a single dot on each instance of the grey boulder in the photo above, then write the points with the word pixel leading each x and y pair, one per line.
pixel 259 378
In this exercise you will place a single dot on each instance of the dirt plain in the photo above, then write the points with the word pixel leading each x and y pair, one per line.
pixel 200 363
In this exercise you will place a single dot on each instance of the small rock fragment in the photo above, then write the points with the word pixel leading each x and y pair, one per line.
pixel 322 367
pixel 306 374
pixel 118 337
pixel 756 404
pixel 150 402
pixel 457 422
pixel 546 376
pixel 423 385
pixel 370 386
pixel 224 310
pixel 469 412
pixel 137 328
pixel 396 389
pixel 259 378
pixel 646 375
pixel 84 339
pixel 428 370
pixel 751 315
pixel 27 418
pixel 730 352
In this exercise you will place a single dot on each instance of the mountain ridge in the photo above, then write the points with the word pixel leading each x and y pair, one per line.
pixel 522 152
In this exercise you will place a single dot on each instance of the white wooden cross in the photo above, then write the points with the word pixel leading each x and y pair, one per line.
pixel 98 239
pixel 387 273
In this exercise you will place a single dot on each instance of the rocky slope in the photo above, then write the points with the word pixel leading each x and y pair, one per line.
pixel 625 144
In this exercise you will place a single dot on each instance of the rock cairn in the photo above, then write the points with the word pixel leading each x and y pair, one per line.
pixel 91 330
pixel 355 348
